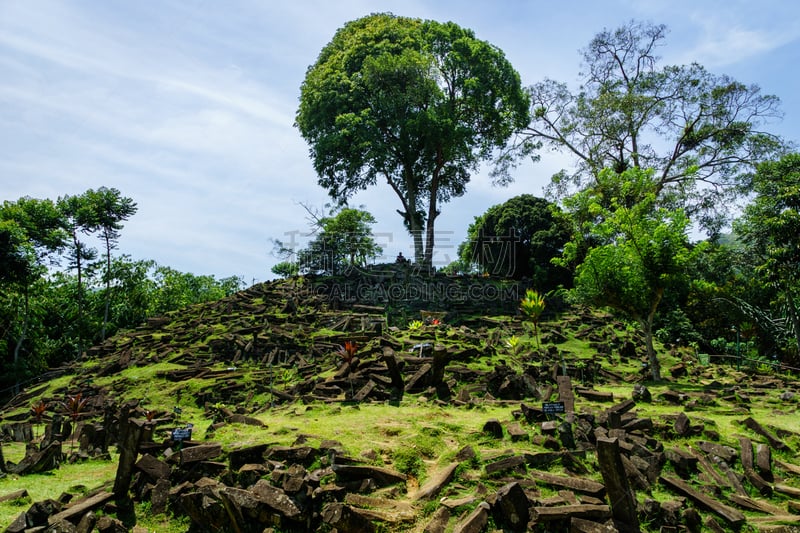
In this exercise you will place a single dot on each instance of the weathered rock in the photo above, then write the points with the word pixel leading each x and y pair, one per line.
pixel 514 462
pixel 734 517
pixel 383 476
pixel 250 454
pixel 475 521
pixel 107 524
pixel 345 519
pixel 39 512
pixel 195 454
pixel 21 494
pixel 436 482
pixel 510 509
pixel 584 486
pixel 494 428
pixel 682 425
pixel 276 499
pixel 566 512
pixel 774 441
pixel 438 521
pixel 684 463
pixel 159 496
pixel 620 494
pixel 153 467
pixel 43 460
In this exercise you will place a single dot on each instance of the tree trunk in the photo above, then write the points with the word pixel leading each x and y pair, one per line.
pixel 430 234
pixel 652 358
pixel 108 288
pixel 793 315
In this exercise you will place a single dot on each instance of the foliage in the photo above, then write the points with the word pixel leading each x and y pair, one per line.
pixel 286 269
pixel 417 103
pixel 518 239
pixel 700 132
pixel 344 240
pixel 532 306
pixel 770 227
pixel 49 314
pixel 640 254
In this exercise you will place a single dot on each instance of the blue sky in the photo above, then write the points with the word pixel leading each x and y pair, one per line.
pixel 188 106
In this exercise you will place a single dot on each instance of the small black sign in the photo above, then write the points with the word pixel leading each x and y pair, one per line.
pixel 181 434
pixel 551 408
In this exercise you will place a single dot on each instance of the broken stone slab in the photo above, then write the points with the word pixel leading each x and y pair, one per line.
pixel 726 453
pixel 195 454
pixel 581 525
pixel 510 509
pixel 746 452
pixel 582 485
pixel 383 476
pixel 595 395
pixel 153 467
pixel 438 522
pixel 16 495
pixel 764 461
pixel 514 462
pixel 246 420
pixel 83 505
pixel 616 479
pixel 752 504
pixel 516 432
pixel 475 521
pixel 345 519
pixel 788 467
pixel 39 461
pixel 160 496
pixel 276 499
pixel 732 516
pixel 774 441
pixel 794 492
pixel 436 482
pixel 565 512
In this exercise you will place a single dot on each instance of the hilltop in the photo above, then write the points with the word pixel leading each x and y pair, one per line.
pixel 393 401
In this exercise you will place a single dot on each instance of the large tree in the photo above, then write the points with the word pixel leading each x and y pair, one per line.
pixel 517 239
pixel 638 254
pixel 700 132
pixel 31 234
pixel 344 239
pixel 416 103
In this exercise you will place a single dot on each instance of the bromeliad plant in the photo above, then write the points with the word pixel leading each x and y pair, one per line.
pixel 348 354
pixel 532 306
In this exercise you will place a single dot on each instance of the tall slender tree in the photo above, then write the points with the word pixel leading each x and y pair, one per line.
pixel 79 220
pixel 108 210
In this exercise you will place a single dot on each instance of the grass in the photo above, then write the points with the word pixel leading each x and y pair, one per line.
pixel 75 479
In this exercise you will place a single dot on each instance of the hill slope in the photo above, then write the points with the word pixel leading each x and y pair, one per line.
pixel 310 408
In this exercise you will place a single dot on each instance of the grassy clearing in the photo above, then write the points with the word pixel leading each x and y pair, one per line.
pixel 75 479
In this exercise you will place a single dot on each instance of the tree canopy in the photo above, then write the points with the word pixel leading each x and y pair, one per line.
pixel 416 103
pixel 344 240
pixel 771 228
pixel 518 239
pixel 700 132
pixel 639 253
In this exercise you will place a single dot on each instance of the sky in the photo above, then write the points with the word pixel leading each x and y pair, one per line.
pixel 188 106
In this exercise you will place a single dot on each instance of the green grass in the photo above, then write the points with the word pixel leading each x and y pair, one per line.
pixel 75 479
